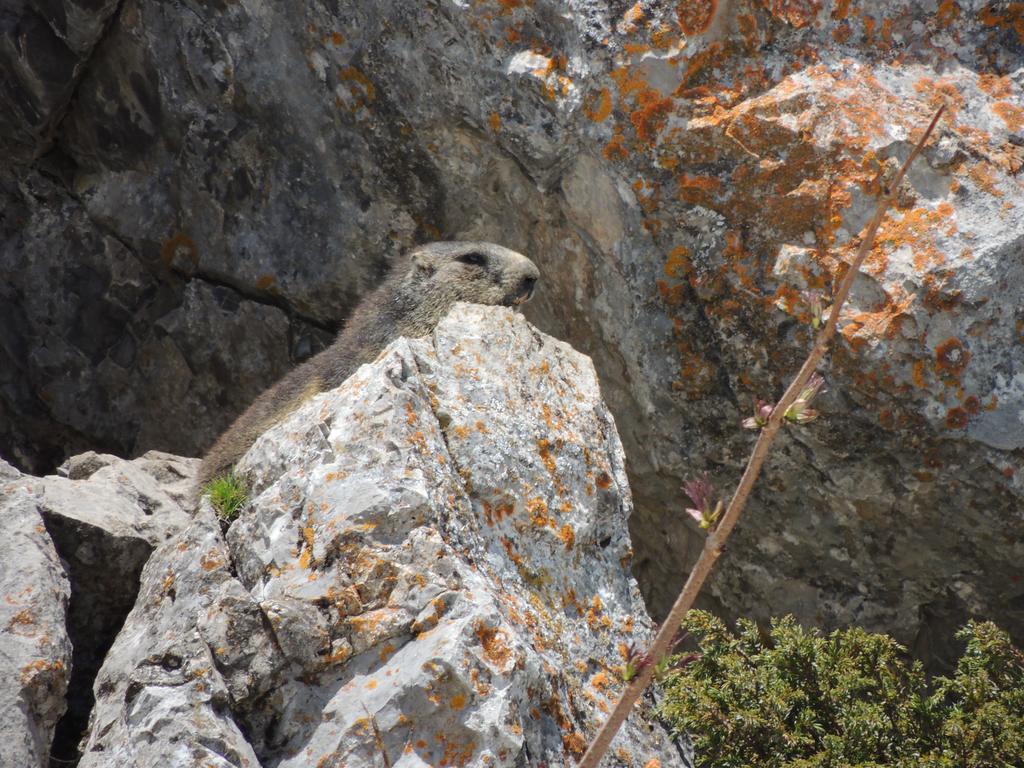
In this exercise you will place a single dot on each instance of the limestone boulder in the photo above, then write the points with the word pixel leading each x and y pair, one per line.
pixel 35 651
pixel 73 549
pixel 433 569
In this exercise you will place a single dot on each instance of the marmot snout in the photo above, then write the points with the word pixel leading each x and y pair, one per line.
pixel 482 273
pixel 417 293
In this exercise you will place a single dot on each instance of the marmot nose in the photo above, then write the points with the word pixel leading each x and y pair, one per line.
pixel 526 287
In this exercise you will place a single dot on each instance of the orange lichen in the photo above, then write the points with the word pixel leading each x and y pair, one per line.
pixel 1012 115
pixel 1012 18
pixel 916 229
pixel 956 418
pixel 633 15
pixel 951 357
pixel 454 753
pixel 362 89
pixel 615 149
pixel 419 440
pixel 567 535
pixel 884 323
pixel 22 618
pixel 678 262
pixel 211 560
pixel 306 558
pixel 33 668
pixel 947 12
pixel 458 701
pixel 544 449
pixel 995 86
pixel 629 81
pixel 842 32
pixel 663 37
pixel 982 174
pixel 796 13
pixel 599 107
pixel 538 510
pixel 604 481
pixel 697 63
pixel 492 641
pixel 180 252
pixel 494 120
pixel 650 116
pixel 574 743
pixel 697 189
pixel 595 615
pixel 695 16
pixel 410 414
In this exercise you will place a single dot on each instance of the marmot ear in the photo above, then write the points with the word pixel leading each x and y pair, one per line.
pixel 422 264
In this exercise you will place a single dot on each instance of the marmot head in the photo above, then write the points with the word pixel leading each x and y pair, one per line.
pixel 481 273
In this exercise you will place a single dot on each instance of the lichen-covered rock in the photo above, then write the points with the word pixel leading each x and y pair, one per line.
pixel 160 696
pixel 105 518
pixel 35 652
pixel 72 549
pixel 433 570
pixel 681 172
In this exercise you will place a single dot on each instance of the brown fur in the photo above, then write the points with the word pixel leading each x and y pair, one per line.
pixel 414 297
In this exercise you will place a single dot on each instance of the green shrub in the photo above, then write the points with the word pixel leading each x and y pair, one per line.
pixel 227 494
pixel 790 698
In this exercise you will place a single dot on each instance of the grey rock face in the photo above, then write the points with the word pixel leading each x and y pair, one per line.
pixel 35 652
pixel 72 549
pixel 230 177
pixel 160 697
pixel 97 341
pixel 433 569
pixel 105 519
pixel 44 47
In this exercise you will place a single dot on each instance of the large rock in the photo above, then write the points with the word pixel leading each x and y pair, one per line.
pixel 433 570
pixel 680 172
pixel 72 550
pixel 35 652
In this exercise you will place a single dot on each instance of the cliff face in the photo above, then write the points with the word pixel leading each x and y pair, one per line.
pixel 201 191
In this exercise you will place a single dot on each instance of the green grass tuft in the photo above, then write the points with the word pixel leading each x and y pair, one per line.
pixel 227 494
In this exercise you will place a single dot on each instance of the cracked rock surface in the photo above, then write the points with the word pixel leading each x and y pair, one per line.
pixel 432 570
pixel 35 652
pixel 72 549
pixel 205 201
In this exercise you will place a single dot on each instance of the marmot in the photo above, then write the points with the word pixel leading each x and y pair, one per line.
pixel 417 293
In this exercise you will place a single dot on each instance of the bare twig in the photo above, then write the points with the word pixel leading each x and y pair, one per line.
pixel 715 542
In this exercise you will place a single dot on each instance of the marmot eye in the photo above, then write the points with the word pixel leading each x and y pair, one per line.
pixel 476 259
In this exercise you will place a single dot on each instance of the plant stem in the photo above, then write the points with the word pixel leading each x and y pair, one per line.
pixel 715 542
